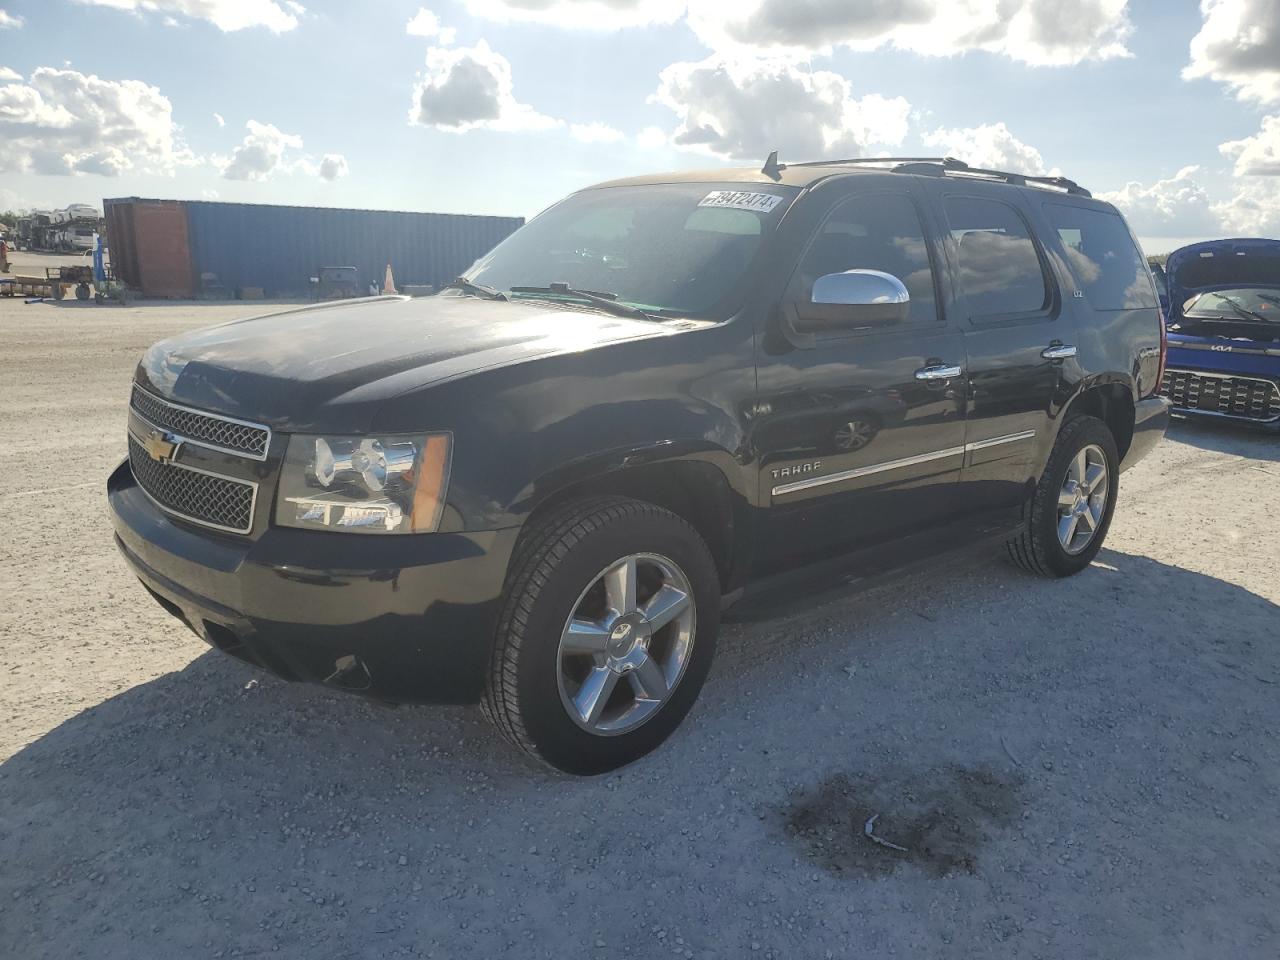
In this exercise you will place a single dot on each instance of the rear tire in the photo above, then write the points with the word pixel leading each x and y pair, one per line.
pixel 1067 517
pixel 564 633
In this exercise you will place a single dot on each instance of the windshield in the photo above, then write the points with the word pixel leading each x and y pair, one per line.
pixel 673 248
pixel 1257 304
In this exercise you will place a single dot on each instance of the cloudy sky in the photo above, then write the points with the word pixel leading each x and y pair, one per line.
pixel 1169 108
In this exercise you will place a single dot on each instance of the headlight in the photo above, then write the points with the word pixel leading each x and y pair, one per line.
pixel 364 484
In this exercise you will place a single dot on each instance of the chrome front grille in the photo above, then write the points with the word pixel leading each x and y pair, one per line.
pixel 222 433
pixel 1244 398
pixel 194 494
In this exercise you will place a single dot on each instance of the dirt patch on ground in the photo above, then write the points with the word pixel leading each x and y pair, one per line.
pixel 941 818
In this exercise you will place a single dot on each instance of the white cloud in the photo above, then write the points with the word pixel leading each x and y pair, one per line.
pixel 595 133
pixel 424 23
pixel 261 153
pixel 10 21
pixel 1178 206
pixel 468 88
pixel 1038 32
pixel 64 122
pixel 218 119
pixel 744 109
pixel 226 15
pixel 9 76
pixel 1239 45
pixel 1253 210
pixel 266 150
pixel 652 138
pixel 1258 155
pixel 990 145
pixel 581 14
pixel 333 166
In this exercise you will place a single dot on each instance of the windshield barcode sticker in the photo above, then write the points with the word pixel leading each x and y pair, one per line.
pixel 741 200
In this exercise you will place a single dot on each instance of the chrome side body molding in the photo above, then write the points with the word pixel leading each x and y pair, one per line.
pixel 874 468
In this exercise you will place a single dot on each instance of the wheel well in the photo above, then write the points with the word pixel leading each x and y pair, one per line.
pixel 1112 403
pixel 696 492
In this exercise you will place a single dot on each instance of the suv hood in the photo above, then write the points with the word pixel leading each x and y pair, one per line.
pixel 1219 265
pixel 330 366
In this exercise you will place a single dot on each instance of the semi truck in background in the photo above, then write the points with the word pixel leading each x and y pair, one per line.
pixel 76 238
pixel 68 230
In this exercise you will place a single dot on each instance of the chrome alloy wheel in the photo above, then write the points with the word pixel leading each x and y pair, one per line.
pixel 626 644
pixel 1083 499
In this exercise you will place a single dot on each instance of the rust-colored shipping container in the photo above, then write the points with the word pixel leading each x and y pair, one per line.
pixel 149 246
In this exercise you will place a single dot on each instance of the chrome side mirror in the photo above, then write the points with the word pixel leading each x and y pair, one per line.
pixel 855 298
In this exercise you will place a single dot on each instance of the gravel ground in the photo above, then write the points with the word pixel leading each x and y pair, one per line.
pixel 1077 769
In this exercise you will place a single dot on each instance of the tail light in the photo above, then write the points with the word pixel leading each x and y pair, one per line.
pixel 1164 351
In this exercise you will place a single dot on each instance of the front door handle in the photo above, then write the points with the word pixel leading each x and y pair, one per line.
pixel 939 371
pixel 1058 351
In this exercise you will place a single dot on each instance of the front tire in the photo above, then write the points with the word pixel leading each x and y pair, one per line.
pixel 1068 515
pixel 607 632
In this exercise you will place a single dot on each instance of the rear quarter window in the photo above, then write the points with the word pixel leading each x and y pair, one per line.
pixel 1105 261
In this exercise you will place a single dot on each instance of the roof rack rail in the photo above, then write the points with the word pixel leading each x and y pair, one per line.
pixel 960 168
pixel 937 167
pixel 945 161
pixel 772 168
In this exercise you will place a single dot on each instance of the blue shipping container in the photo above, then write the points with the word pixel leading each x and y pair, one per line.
pixel 280 249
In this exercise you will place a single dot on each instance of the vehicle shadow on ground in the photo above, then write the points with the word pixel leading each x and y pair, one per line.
pixel 214 807
pixel 1226 437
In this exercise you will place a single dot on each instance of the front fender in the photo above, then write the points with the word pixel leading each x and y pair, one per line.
pixel 526 432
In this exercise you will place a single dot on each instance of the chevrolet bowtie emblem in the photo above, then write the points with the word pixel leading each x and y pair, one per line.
pixel 159 447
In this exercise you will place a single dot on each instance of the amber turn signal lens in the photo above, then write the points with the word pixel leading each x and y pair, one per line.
pixel 430 484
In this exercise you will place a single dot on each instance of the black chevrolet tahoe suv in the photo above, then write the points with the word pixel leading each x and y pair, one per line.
pixel 662 398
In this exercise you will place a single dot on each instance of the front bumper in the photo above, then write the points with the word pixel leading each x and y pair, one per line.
pixel 402 618
pixel 1150 421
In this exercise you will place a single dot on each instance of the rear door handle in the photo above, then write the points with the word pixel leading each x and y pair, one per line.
pixel 1058 351
pixel 939 371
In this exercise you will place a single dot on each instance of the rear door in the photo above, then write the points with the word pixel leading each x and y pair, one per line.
pixel 854 446
pixel 1019 340
pixel 1117 305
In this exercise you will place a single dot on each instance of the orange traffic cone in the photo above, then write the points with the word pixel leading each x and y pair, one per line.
pixel 388 282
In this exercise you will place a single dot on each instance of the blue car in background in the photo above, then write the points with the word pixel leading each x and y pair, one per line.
pixel 1223 323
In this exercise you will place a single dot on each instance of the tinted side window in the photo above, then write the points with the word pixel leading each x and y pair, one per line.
pixel 873 233
pixel 1000 271
pixel 1104 259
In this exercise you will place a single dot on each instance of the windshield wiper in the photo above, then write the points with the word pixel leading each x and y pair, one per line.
pixel 476 289
pixel 1241 309
pixel 605 301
